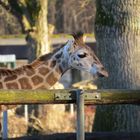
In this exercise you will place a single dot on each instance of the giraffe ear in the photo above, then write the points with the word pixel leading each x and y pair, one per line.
pixel 78 37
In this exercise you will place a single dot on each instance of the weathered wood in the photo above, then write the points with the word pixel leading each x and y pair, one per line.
pixel 33 96
pixel 116 96
pixel 97 97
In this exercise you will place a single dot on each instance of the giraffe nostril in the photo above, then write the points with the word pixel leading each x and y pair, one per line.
pixel 102 68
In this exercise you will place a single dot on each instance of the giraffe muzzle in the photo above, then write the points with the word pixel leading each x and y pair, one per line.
pixel 102 73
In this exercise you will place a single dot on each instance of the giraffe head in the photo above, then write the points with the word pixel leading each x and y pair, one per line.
pixel 80 56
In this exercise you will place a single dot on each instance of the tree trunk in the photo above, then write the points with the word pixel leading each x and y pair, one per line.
pixel 117 31
pixel 37 37
pixel 42 29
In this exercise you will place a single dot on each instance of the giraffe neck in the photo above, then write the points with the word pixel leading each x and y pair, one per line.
pixel 42 73
pixel 38 75
pixel 54 68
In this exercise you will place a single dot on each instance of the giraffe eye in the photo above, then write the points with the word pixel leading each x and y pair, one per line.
pixel 82 55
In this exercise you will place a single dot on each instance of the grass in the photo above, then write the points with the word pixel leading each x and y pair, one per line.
pixel 54 36
pixel 12 36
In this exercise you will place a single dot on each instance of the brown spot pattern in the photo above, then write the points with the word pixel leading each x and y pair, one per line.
pixel 51 79
pixel 24 82
pixel 10 78
pixel 59 70
pixel 30 72
pixel 53 63
pixel 13 85
pixel 57 56
pixel 43 70
pixel 37 80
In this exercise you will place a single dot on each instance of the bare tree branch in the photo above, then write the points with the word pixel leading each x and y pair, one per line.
pixel 26 17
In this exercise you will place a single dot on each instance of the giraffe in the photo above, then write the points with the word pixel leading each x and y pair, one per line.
pixel 46 70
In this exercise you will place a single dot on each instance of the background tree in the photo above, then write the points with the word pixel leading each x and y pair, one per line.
pixel 117 31
pixel 32 16
pixel 78 15
pixel 66 16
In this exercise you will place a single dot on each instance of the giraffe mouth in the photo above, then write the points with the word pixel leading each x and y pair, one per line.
pixel 102 74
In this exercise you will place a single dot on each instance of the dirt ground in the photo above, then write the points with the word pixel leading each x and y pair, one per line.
pixel 51 121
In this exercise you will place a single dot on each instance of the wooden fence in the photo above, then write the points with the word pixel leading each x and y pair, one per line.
pixel 79 97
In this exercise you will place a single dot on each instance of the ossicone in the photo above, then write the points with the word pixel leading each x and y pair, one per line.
pixel 78 37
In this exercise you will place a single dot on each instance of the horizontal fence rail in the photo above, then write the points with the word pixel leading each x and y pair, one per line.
pixel 79 97
pixel 96 97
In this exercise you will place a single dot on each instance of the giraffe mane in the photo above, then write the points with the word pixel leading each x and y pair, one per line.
pixel 20 70
pixel 5 71
pixel 48 56
pixel 29 67
pixel 78 35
